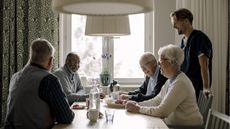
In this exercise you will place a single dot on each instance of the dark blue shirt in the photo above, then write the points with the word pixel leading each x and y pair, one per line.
pixel 139 95
pixel 197 43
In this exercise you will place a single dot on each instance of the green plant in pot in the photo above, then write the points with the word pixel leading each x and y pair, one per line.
pixel 105 78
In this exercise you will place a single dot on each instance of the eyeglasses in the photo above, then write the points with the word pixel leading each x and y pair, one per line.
pixel 163 59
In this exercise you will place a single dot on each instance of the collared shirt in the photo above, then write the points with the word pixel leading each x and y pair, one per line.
pixel 71 84
pixel 50 91
pixel 152 81
pixel 74 80
pixel 170 82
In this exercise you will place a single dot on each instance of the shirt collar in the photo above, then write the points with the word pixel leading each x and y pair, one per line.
pixel 174 77
pixel 69 72
pixel 37 65
pixel 154 76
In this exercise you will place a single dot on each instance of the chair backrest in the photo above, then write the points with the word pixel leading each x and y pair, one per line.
pixel 217 120
pixel 204 104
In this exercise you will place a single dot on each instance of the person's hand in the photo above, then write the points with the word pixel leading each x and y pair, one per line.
pixel 124 97
pixel 206 92
pixel 132 106
pixel 77 106
pixel 120 101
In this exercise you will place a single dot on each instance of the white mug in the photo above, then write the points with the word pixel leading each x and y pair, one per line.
pixel 93 114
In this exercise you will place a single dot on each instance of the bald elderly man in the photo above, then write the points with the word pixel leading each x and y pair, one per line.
pixel 152 83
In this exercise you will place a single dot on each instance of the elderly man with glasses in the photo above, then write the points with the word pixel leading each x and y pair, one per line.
pixel 152 83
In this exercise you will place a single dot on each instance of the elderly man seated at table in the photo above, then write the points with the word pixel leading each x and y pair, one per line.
pixel 152 84
pixel 36 99
pixel 70 79
pixel 176 102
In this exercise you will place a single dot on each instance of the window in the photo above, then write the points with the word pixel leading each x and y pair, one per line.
pixel 125 50
pixel 89 48
pixel 128 49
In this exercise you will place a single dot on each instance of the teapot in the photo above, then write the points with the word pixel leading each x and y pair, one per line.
pixel 114 86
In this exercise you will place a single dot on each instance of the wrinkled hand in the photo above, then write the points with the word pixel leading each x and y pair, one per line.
pixel 132 106
pixel 120 101
pixel 124 97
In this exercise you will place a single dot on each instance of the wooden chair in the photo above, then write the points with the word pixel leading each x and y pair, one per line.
pixel 204 103
pixel 217 120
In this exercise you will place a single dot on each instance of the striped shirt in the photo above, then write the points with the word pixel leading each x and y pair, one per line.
pixel 51 92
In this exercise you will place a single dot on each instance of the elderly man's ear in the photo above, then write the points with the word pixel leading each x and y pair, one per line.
pixel 50 63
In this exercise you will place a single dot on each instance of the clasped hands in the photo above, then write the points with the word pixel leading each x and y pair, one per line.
pixel 132 106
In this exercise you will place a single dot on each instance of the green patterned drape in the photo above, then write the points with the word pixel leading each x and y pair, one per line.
pixel 21 22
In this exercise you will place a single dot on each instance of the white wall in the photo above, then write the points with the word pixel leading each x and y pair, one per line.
pixel 164 33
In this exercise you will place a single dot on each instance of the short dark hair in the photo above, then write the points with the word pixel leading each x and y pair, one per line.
pixel 182 14
pixel 71 56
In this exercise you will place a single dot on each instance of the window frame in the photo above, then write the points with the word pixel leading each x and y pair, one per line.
pixel 65 43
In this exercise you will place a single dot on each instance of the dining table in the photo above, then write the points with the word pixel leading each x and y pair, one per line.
pixel 122 120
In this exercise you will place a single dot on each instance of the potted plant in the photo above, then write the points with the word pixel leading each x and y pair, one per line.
pixel 105 76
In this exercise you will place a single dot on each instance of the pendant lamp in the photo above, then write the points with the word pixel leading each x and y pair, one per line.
pixel 107 25
pixel 102 7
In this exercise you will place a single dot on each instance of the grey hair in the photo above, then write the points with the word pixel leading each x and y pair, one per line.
pixel 40 51
pixel 148 56
pixel 173 53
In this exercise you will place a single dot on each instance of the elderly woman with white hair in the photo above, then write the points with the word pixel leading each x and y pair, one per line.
pixel 176 102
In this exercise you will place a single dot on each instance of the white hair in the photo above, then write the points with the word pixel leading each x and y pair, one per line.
pixel 148 56
pixel 173 53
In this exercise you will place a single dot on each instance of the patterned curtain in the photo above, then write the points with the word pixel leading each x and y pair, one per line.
pixel 21 22
pixel 228 67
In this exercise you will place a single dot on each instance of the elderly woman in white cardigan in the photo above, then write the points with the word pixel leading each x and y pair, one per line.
pixel 176 102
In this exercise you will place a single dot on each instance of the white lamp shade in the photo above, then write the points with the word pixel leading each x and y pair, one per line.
pixel 107 26
pixel 102 7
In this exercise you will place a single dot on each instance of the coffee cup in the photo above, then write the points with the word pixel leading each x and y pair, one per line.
pixel 93 114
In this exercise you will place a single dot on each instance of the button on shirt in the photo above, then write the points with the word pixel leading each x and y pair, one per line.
pixel 152 82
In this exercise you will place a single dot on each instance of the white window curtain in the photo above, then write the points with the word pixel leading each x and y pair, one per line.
pixel 211 16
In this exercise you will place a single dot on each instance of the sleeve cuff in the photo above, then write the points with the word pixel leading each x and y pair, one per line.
pixel 142 110
pixel 130 97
